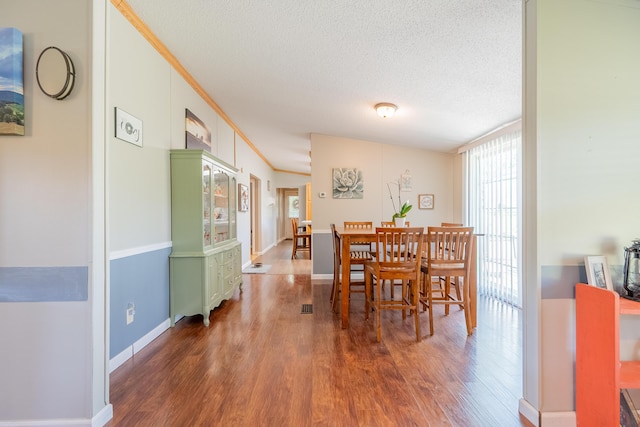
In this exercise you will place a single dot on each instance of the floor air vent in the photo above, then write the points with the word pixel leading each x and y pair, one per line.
pixel 307 309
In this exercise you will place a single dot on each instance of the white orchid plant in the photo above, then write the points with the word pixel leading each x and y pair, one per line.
pixel 404 208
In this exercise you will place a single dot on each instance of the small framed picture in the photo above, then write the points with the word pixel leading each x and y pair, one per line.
pixel 243 198
pixel 128 127
pixel 406 182
pixel 598 273
pixel 425 201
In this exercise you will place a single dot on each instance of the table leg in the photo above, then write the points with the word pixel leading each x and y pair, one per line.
pixel 473 285
pixel 344 282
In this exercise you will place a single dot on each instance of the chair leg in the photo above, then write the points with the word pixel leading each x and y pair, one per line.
pixel 467 310
pixel 456 283
pixel 335 292
pixel 378 318
pixel 367 294
pixel 414 302
pixel 447 291
pixel 403 294
pixel 294 247
pixel 430 304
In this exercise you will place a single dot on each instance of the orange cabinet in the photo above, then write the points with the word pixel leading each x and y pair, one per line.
pixel 600 374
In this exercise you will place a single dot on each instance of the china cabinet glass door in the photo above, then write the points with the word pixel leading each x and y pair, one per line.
pixel 232 208
pixel 221 206
pixel 206 203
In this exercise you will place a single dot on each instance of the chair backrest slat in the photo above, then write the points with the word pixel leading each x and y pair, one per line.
pixel 448 248
pixel 358 225
pixel 402 248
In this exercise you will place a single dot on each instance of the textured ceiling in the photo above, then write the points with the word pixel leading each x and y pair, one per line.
pixel 283 69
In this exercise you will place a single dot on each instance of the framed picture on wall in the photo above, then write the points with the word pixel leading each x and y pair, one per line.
pixel 128 127
pixel 406 182
pixel 243 198
pixel 425 201
pixel 198 134
pixel 598 273
pixel 11 83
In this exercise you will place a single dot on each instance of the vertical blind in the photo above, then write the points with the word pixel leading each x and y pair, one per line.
pixel 493 170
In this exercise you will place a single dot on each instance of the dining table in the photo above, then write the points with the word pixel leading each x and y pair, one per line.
pixel 348 235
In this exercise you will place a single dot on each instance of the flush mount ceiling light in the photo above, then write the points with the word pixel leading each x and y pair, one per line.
pixel 385 109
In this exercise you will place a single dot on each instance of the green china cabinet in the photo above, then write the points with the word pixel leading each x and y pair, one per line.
pixel 205 265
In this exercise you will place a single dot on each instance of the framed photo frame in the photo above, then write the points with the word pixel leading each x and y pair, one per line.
pixel 425 201
pixel 406 182
pixel 128 127
pixel 598 273
pixel 12 83
pixel 197 133
pixel 243 198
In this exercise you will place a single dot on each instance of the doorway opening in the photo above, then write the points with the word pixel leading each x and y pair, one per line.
pixel 256 217
pixel 288 207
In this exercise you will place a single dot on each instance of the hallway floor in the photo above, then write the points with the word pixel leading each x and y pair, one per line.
pixel 264 363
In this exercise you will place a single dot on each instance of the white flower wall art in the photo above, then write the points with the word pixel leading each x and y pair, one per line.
pixel 347 183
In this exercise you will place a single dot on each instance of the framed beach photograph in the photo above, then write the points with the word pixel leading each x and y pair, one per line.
pixel 425 201
pixel 198 134
pixel 598 273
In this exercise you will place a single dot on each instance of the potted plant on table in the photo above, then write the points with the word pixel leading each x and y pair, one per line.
pixel 400 217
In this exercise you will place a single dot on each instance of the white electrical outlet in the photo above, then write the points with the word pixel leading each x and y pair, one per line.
pixel 131 311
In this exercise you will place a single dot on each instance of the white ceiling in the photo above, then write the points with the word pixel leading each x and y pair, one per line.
pixel 283 69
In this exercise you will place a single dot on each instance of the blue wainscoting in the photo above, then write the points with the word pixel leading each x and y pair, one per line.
pixel 141 279
pixel 44 284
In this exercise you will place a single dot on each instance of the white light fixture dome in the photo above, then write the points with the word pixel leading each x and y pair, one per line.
pixel 386 109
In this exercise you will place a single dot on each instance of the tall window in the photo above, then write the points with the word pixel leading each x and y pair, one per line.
pixel 493 193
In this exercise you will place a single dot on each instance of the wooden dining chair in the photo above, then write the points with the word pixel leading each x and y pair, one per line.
pixel 354 286
pixel 361 251
pixel 447 257
pixel 393 224
pixel 400 261
pixel 335 289
pixel 454 280
pixel 301 239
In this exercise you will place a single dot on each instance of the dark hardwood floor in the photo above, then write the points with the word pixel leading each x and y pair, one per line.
pixel 264 363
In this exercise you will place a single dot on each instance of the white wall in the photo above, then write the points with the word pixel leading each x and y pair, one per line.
pixel 432 173
pixel 581 138
pixel 141 83
pixel 46 362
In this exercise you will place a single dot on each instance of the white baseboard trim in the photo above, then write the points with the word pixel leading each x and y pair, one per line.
pixel 99 420
pixel 259 253
pixel 151 335
pixel 128 352
pixel 529 412
pixel 103 417
pixel 546 419
pixel 120 358
pixel 47 423
pixel 557 419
